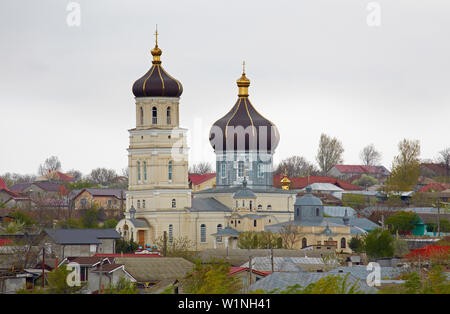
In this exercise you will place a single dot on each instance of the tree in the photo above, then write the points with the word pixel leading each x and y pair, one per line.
pixel 365 181
pixel 109 224
pixel 329 153
pixel 211 278
pixel 89 218
pixel 57 282
pixel 20 216
pixel 69 223
pixel 370 156
pixel 444 160
pixel 50 164
pixel 356 244
pixel 178 247
pixel 296 166
pixel 125 246
pixel 289 235
pixel 201 168
pixel 402 222
pixel 379 243
pixel 258 240
pixel 123 286
pixel 13 178
pixel 248 240
pixel 405 167
pixel 102 176
pixel 76 174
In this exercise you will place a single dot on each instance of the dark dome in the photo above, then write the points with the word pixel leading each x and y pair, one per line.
pixel 157 82
pixel 243 128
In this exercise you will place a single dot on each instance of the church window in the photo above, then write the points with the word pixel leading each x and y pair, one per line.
pixel 250 205
pixel 219 227
pixel 254 223
pixel 259 206
pixel 237 204
pixel 174 203
pixel 145 171
pixel 203 233
pixel 138 204
pixel 304 243
pixel 260 170
pixel 154 115
pixel 139 170
pixel 143 203
pixel 240 169
pixel 170 233
pixel 141 114
pixel 269 207
pixel 169 120
pixel 223 168
pixel 317 212
pixel 243 203
pixel 298 212
pixel 343 243
pixel 170 171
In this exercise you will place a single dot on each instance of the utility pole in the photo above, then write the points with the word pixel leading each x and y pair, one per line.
pixel 271 258
pixel 43 269
pixel 165 244
pixel 100 278
pixel 439 220
pixel 250 273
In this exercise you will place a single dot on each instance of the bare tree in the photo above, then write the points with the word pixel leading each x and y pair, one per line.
pixel 201 168
pixel 370 156
pixel 296 166
pixel 444 160
pixel 14 178
pixel 102 176
pixel 125 172
pixel 329 153
pixel 76 174
pixel 290 235
pixel 50 164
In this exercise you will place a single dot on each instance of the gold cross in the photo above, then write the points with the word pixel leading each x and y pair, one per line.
pixel 243 66
pixel 156 34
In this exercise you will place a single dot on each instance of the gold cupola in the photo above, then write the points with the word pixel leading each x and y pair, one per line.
pixel 156 52
pixel 243 83
pixel 285 182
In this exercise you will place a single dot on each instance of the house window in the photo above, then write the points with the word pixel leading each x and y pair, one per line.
pixel 240 169
pixel 139 170
pixel 343 243
pixel 169 120
pixel 154 115
pixel 138 204
pixel 109 203
pixel 170 233
pixel 223 170
pixel 141 113
pixel 145 171
pixel 203 233
pixel 259 206
pixel 219 227
pixel 174 203
pixel 304 243
pixel 170 170
pixel 83 202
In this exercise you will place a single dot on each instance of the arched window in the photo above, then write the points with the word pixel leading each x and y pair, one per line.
pixel 174 203
pixel 240 169
pixel 259 206
pixel 219 227
pixel 260 170
pixel 298 212
pixel 304 243
pixel 139 170
pixel 169 120
pixel 269 207
pixel 317 212
pixel 141 115
pixel 251 205
pixel 145 171
pixel 223 168
pixel 170 233
pixel 138 204
pixel 254 223
pixel 203 233
pixel 170 166
pixel 343 243
pixel 143 203
pixel 154 115
pixel 243 203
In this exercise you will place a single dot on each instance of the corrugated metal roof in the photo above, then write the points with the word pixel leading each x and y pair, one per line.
pixel 208 205
pixel 81 236
pixel 362 273
pixel 339 211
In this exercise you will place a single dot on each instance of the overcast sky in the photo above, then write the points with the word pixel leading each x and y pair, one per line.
pixel 315 67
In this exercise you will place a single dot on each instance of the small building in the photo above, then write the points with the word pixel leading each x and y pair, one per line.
pixel 200 182
pixel 244 274
pixel 80 242
pixel 108 199
pixel 12 280
pixel 110 274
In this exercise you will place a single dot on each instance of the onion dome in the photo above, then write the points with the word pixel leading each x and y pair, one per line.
pixel 308 199
pixel 157 82
pixel 285 182
pixel 243 128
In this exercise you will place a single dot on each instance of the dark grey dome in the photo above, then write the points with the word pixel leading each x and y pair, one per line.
pixel 308 199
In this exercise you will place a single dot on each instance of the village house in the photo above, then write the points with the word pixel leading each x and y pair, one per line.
pixel 108 199
pixel 200 182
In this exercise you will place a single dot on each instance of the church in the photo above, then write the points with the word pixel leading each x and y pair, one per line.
pixel 159 199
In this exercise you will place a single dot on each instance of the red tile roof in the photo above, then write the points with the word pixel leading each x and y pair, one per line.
pixel 429 250
pixel 300 183
pixel 3 185
pixel 4 241
pixel 436 168
pixel 236 270
pixel 128 255
pixel 197 179
pixel 435 186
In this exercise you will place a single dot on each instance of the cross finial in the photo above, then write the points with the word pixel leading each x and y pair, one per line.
pixel 243 67
pixel 156 35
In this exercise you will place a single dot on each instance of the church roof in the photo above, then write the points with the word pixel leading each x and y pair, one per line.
pixel 208 205
pixel 243 128
pixel 157 82
pixel 308 199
